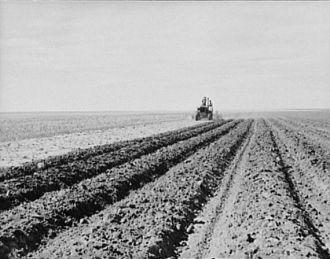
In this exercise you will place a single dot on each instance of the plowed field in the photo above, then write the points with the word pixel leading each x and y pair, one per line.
pixel 252 188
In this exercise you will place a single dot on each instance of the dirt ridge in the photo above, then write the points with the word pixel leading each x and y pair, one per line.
pixel 244 189
pixel 321 248
pixel 261 218
pixel 162 231
pixel 83 154
pixel 310 180
pixel 30 187
pixel 200 239
pixel 63 208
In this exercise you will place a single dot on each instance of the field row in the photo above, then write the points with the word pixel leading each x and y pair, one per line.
pixel 323 124
pixel 306 148
pixel 30 187
pixel 84 154
pixel 236 189
pixel 265 213
pixel 310 172
pixel 150 222
pixel 54 210
pixel 318 134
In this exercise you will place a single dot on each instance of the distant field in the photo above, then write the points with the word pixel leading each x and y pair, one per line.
pixel 18 126
pixel 31 136
pixel 315 114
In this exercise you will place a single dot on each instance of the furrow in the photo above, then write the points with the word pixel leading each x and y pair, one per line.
pixel 53 211
pixel 310 183
pixel 198 242
pixel 41 165
pixel 30 187
pixel 318 123
pixel 264 218
pixel 312 229
pixel 315 154
pixel 316 133
pixel 150 222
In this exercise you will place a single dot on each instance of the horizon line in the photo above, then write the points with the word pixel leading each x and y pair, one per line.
pixel 171 111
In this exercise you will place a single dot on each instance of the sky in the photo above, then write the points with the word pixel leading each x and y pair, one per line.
pixel 105 56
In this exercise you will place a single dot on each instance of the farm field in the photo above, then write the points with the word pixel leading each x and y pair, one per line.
pixel 34 136
pixel 236 188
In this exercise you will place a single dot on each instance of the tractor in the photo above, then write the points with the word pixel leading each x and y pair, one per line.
pixel 205 111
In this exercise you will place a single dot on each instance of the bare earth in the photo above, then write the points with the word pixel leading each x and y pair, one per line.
pixel 17 152
pixel 238 188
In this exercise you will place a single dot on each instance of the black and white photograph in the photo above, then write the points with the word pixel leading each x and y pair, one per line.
pixel 164 129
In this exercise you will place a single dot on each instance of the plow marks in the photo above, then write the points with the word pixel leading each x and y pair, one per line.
pixel 24 226
pixel 84 165
pixel 233 189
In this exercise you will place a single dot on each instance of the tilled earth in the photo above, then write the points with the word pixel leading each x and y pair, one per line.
pixel 227 189
pixel 15 152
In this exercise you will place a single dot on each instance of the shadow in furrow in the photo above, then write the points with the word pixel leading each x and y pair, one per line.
pixel 171 239
pixel 324 253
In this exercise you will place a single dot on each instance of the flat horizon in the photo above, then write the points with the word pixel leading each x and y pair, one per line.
pixel 170 111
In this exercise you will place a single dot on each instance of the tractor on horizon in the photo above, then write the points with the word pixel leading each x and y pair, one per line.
pixel 205 111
